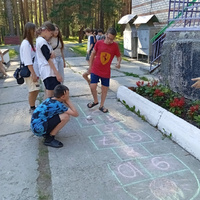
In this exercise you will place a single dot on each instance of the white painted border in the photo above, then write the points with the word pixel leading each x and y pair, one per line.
pixel 184 133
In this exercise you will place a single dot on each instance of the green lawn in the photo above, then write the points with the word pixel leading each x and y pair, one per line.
pixel 81 48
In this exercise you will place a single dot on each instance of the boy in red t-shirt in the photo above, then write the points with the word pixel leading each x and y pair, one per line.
pixel 100 61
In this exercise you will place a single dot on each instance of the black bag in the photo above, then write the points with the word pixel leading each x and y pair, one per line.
pixel 20 80
pixel 24 72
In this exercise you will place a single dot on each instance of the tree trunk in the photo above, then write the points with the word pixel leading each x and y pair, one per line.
pixel 40 13
pixel 26 11
pixel 36 19
pixel 44 8
pixel 10 17
pixel 16 17
pixel 101 18
pixel 21 8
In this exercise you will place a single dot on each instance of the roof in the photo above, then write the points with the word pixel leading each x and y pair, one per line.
pixel 126 18
pixel 145 19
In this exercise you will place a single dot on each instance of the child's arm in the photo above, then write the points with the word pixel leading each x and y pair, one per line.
pixel 71 109
pixel 58 76
pixel 47 54
pixel 63 57
pixel 93 54
pixel 118 62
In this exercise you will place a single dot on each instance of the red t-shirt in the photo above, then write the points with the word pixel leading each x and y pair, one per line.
pixel 104 56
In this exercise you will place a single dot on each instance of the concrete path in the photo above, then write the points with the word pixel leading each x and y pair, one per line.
pixel 114 156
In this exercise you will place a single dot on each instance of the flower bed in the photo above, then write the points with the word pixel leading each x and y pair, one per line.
pixel 182 132
pixel 173 102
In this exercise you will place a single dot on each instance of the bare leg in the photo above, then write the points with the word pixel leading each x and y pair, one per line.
pixel 48 93
pixel 32 97
pixel 64 119
pixel 85 76
pixel 2 69
pixel 104 91
pixel 93 88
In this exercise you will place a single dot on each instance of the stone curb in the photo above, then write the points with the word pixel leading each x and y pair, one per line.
pixel 184 133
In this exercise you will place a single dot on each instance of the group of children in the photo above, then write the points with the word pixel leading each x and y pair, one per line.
pixel 46 61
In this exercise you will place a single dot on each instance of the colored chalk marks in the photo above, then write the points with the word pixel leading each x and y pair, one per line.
pixel 106 141
pixel 142 175
pixel 178 186
pixel 132 151
pixel 163 177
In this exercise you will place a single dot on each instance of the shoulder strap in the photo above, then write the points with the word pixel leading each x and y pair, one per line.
pixel 57 44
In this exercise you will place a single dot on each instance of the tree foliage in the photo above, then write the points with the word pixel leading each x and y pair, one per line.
pixel 72 16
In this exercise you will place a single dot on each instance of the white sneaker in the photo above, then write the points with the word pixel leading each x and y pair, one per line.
pixel 31 111
pixel 5 77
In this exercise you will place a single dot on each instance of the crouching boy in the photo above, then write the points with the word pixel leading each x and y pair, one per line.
pixel 52 115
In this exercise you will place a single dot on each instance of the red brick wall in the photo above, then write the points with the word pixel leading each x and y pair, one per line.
pixel 12 40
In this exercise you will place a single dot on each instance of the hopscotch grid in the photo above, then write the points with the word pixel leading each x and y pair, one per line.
pixel 147 135
pixel 129 159
pixel 114 174
pixel 132 196
pixel 93 143
pixel 147 149
pixel 152 178
pixel 101 132
pixel 138 160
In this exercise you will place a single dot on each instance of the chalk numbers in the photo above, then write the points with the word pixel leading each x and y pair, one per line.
pixel 160 164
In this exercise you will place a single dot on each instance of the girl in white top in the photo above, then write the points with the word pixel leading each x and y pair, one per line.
pixel 27 54
pixel 45 58
pixel 58 46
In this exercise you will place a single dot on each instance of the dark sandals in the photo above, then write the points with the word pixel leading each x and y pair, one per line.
pixel 103 109
pixel 91 104
pixel 54 143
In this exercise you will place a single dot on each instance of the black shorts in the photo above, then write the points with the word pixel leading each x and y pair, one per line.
pixel 52 123
pixel 50 83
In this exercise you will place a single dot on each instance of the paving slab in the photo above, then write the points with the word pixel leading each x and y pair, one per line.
pixel 118 158
pixel 18 166
pixel 14 118
pixel 112 156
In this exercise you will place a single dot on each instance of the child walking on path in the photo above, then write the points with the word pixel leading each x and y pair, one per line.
pixel 27 55
pixel 90 46
pixel 100 61
pixel 52 115
pixel 46 59
pixel 58 47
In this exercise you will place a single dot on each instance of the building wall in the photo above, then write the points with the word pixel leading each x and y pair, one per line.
pixel 148 7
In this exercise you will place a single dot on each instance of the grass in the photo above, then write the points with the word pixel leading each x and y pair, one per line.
pixel 73 40
pixel 12 53
pixel 81 48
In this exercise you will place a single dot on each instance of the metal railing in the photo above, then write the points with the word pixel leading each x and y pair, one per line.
pixel 156 52
pixel 183 15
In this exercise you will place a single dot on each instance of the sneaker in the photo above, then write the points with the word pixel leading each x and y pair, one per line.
pixel 54 143
pixel 31 111
pixel 6 76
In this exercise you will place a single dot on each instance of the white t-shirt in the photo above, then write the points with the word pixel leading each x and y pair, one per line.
pixel 43 65
pixel 26 53
pixel 88 42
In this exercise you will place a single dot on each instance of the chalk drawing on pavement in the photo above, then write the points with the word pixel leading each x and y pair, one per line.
pixel 132 151
pixel 159 177
pixel 182 185
pixel 140 173
pixel 106 141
